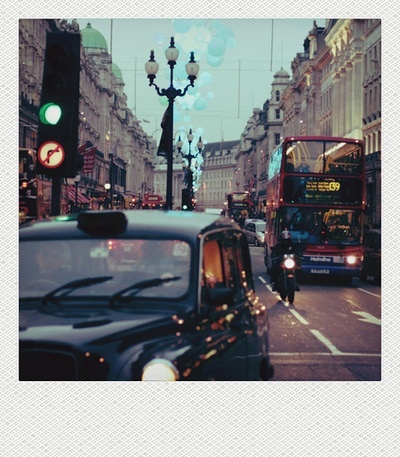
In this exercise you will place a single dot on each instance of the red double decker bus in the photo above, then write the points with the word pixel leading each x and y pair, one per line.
pixel 316 190
pixel 152 202
pixel 239 202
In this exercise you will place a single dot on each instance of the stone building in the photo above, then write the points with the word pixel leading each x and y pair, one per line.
pixel 160 181
pixel 219 176
pixel 124 152
pixel 372 116
pixel 263 132
pixel 334 90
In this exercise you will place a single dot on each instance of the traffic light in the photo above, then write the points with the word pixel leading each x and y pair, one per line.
pixel 186 200
pixel 57 148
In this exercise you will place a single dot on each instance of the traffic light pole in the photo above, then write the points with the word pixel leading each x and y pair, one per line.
pixel 56 196
pixel 57 144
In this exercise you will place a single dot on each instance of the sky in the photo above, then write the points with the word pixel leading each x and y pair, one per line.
pixel 237 58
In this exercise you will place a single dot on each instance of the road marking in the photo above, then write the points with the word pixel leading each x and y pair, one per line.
pixel 334 350
pixel 298 316
pixel 293 311
pixel 267 286
pixel 368 292
pixel 352 303
pixel 366 317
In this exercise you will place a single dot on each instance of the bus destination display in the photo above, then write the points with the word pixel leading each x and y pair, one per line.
pixel 315 190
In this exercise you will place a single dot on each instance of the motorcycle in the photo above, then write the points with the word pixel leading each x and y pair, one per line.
pixel 287 285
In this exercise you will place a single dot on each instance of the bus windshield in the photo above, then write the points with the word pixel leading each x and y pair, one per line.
pixel 323 156
pixel 323 226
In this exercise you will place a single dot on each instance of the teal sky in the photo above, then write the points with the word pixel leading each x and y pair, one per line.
pixel 233 80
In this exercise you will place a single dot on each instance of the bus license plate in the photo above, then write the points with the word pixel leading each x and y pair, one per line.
pixel 320 272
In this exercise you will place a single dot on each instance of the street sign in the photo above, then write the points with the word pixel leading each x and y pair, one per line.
pixel 51 154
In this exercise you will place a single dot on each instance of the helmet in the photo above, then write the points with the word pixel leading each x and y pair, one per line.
pixel 285 235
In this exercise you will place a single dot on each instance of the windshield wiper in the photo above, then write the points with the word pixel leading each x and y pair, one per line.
pixel 72 285
pixel 138 286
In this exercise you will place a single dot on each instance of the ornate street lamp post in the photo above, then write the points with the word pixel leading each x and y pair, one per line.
pixel 189 156
pixel 107 187
pixel 151 67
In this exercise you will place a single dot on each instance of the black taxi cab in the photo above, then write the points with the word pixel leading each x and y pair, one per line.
pixel 137 295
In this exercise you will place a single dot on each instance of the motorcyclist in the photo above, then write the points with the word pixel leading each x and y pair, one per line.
pixel 284 246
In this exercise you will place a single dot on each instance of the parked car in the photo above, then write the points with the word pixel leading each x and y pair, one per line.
pixel 372 256
pixel 139 295
pixel 255 230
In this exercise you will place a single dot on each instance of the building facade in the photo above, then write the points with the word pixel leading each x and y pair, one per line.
pixel 334 90
pixel 124 153
pixel 263 132
pixel 219 177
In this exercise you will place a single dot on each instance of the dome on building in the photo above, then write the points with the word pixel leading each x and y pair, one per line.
pixel 281 74
pixel 93 39
pixel 116 70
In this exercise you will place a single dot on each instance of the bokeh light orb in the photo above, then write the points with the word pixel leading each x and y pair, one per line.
pixel 200 104
pixel 177 115
pixel 214 61
pixel 231 42
pixel 182 25
pixel 216 47
pixel 199 131
pixel 180 71
pixel 193 90
pixel 159 38
pixel 199 37
pixel 205 77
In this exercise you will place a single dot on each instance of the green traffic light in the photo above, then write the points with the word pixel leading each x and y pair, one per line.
pixel 50 113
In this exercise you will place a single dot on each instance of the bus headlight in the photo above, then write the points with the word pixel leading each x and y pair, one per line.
pixel 351 259
pixel 160 370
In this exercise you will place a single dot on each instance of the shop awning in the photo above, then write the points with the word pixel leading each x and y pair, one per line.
pixel 81 198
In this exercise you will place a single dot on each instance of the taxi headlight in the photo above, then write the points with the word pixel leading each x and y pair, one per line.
pixel 351 259
pixel 160 370
pixel 289 263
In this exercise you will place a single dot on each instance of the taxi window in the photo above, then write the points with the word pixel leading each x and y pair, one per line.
pixel 212 265
pixel 224 265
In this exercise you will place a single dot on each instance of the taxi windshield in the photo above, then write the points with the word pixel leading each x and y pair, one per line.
pixel 102 268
